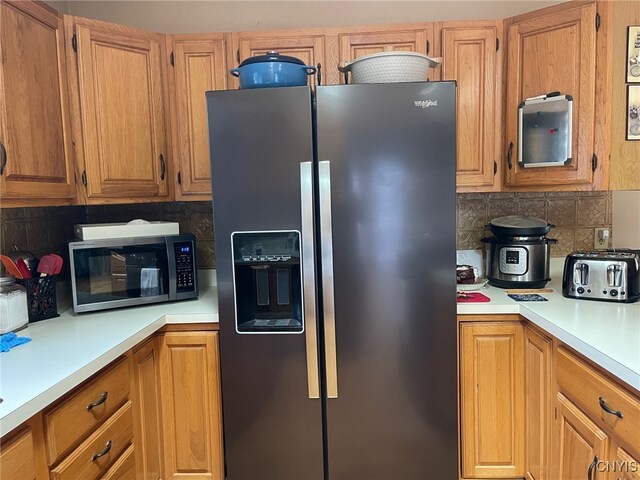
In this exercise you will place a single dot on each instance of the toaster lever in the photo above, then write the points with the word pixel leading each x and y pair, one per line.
pixel 614 275
pixel 581 274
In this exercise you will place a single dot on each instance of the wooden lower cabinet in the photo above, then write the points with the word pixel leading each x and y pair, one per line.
pixel 191 405
pixel 492 399
pixel 621 465
pixel 147 418
pixel 579 445
pixel 538 401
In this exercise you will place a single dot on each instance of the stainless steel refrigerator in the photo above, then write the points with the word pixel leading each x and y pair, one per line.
pixel 334 217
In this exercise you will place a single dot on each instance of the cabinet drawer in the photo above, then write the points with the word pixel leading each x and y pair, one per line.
pixel 586 386
pixel 17 460
pixel 110 440
pixel 70 420
pixel 124 468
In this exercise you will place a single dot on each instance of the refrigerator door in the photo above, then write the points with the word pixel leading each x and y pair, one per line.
pixel 259 139
pixel 387 152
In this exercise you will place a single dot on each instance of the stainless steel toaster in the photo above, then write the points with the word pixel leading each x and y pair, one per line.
pixel 602 275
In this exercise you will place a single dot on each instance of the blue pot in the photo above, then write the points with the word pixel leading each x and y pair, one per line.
pixel 272 70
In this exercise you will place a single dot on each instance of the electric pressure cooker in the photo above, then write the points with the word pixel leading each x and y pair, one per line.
pixel 518 252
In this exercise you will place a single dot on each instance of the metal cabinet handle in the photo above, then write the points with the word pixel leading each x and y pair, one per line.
pixel 319 75
pixel 608 409
pixel 163 167
pixel 106 450
pixel 100 401
pixel 509 156
pixel 326 242
pixel 3 158
pixel 592 469
pixel 309 279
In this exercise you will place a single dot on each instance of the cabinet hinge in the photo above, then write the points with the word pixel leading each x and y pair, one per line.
pixel 428 47
pixel 497 44
pixel 179 178
pixel 238 55
pixel 74 43
pixel 594 162
pixel 555 413
pixel 495 167
pixel 171 60
pixel 84 178
pixel 597 22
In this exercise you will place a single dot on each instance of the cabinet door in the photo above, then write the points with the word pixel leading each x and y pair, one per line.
pixel 121 112
pixel 17 458
pixel 622 465
pixel 308 46
pixel 191 406
pixel 579 445
pixel 147 418
pixel 469 56
pixel 36 159
pixel 549 53
pixel 492 399
pixel 199 66
pixel 538 404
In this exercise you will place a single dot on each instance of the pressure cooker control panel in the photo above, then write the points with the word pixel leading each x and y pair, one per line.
pixel 514 260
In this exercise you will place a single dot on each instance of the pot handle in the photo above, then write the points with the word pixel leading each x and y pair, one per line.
pixel 309 70
pixel 235 72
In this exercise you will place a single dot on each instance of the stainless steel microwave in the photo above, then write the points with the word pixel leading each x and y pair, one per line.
pixel 123 272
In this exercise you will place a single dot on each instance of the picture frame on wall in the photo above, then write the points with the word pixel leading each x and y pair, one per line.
pixel 633 112
pixel 633 54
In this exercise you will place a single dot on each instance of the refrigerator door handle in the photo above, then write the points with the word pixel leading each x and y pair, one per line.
pixel 326 242
pixel 309 279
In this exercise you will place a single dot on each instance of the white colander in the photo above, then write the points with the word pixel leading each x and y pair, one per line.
pixel 390 67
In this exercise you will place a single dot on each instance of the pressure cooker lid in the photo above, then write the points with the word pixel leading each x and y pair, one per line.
pixel 519 225
pixel 271 56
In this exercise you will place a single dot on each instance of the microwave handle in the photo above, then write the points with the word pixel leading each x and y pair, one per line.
pixel 171 269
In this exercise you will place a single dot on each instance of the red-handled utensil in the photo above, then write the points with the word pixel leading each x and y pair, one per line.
pixel 47 265
pixel 24 269
pixel 58 264
pixel 11 267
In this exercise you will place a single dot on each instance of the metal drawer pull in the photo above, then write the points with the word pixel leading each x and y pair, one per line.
pixel 106 450
pixel 608 409
pixel 100 401
pixel 592 468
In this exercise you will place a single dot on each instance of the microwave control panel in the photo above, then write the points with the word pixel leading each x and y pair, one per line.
pixel 185 267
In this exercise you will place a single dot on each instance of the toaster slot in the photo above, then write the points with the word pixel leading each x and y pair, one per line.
pixel 614 275
pixel 581 274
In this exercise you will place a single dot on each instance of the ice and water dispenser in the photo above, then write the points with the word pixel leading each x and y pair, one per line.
pixel 267 282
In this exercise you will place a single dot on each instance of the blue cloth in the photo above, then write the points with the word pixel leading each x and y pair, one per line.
pixel 10 340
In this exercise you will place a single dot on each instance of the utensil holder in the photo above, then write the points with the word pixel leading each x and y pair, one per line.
pixel 42 302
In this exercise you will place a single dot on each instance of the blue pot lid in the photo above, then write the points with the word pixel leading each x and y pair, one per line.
pixel 271 56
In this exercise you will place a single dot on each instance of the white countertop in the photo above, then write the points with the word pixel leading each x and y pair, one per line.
pixel 608 333
pixel 67 350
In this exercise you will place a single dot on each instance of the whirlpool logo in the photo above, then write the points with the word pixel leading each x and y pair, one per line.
pixel 425 103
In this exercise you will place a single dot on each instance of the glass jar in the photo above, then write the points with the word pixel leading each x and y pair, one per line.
pixel 14 313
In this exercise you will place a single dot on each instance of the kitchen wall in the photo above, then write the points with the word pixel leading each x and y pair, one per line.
pixel 575 214
pixel 228 16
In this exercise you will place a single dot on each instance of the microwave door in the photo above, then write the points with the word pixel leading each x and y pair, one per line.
pixel 107 276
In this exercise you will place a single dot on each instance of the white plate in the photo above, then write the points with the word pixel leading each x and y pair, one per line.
pixel 469 287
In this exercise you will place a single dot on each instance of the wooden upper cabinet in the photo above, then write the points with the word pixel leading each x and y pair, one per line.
pixel 199 65
pixel 36 159
pixel 548 52
pixel 492 399
pixel 120 134
pixel 307 45
pixel 471 57
pixel 360 41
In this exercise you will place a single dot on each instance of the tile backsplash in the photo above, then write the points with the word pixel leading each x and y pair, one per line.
pixel 575 214
pixel 46 230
